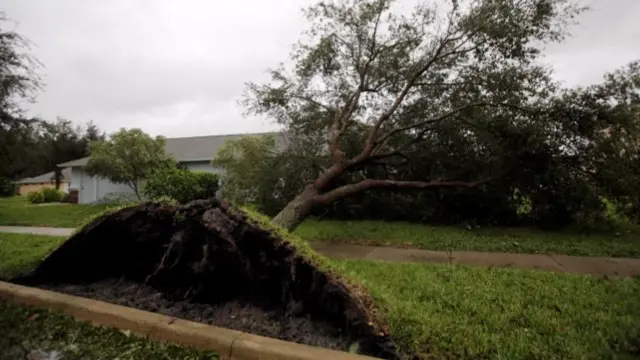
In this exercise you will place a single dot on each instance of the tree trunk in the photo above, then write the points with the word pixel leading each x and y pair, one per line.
pixel 296 210
pixel 57 174
pixel 134 186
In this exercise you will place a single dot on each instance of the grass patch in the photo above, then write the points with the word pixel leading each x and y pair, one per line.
pixel 21 252
pixel 19 212
pixel 441 238
pixel 460 312
pixel 27 329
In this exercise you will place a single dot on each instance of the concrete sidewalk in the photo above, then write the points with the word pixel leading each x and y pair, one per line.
pixel 601 266
pixel 621 267
pixel 36 230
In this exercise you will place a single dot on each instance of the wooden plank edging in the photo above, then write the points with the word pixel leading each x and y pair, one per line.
pixel 228 344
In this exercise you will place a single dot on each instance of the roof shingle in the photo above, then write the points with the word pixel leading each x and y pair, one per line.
pixel 46 178
pixel 197 148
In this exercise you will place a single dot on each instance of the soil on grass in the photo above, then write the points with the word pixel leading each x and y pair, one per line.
pixel 208 262
pixel 237 315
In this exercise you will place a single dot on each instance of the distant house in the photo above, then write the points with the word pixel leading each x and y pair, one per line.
pixel 47 180
pixel 195 153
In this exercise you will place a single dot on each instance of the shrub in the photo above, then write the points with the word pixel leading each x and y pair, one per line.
pixel 208 184
pixel 180 184
pixel 165 200
pixel 66 198
pixel 52 195
pixel 35 197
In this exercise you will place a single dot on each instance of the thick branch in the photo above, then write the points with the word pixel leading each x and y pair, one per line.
pixel 371 139
pixel 306 98
pixel 368 184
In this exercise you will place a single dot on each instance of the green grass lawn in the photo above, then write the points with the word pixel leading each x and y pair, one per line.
pixel 443 238
pixel 36 329
pixel 21 252
pixel 18 211
pixel 460 312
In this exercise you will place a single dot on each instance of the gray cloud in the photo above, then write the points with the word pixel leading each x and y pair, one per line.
pixel 178 68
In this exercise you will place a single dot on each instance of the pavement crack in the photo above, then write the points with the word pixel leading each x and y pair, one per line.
pixel 233 343
pixel 558 263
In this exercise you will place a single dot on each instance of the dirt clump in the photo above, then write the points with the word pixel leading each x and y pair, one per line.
pixel 242 316
pixel 208 262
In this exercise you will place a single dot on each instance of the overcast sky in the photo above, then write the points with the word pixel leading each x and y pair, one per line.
pixel 177 68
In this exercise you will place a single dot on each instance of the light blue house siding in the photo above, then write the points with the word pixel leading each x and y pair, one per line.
pixel 92 188
pixel 201 166
pixel 193 152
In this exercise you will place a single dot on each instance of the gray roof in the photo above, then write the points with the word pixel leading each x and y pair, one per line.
pixel 46 178
pixel 197 148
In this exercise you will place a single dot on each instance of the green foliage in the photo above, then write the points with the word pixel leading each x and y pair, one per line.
pixel 128 157
pixel 165 200
pixel 19 70
pixel 442 97
pixel 182 185
pixel 250 170
pixel 36 197
pixel 52 195
pixel 34 147
pixel 209 184
pixel 7 187
pixel 66 198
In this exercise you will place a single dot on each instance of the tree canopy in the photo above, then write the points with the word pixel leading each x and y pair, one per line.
pixel 127 157
pixel 19 78
pixel 392 82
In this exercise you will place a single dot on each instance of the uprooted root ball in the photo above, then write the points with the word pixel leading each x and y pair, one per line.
pixel 209 253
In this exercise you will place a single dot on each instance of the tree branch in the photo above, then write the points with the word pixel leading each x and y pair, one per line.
pixel 306 98
pixel 371 139
pixel 368 184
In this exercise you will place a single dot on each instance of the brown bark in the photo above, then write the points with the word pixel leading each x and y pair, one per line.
pixel 294 213
pixel 368 184
pixel 297 209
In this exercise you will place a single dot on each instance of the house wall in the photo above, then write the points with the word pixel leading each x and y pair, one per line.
pixel 202 166
pixel 92 188
pixel 24 189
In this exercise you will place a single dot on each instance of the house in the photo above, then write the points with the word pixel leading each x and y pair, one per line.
pixel 195 153
pixel 47 180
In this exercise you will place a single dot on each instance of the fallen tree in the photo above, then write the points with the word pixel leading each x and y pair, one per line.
pixel 209 253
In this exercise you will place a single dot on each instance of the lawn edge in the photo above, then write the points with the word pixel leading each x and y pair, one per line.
pixel 228 344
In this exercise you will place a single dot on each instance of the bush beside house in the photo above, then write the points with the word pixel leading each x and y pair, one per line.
pixel 180 184
pixel 45 195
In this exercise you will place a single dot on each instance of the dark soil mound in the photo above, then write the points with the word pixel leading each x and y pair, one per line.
pixel 237 315
pixel 208 253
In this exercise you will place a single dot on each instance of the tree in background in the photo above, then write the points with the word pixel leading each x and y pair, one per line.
pixel 127 157
pixel 568 170
pixel 19 81
pixel 394 78
pixel 258 173
pixel 30 147
pixel 60 141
